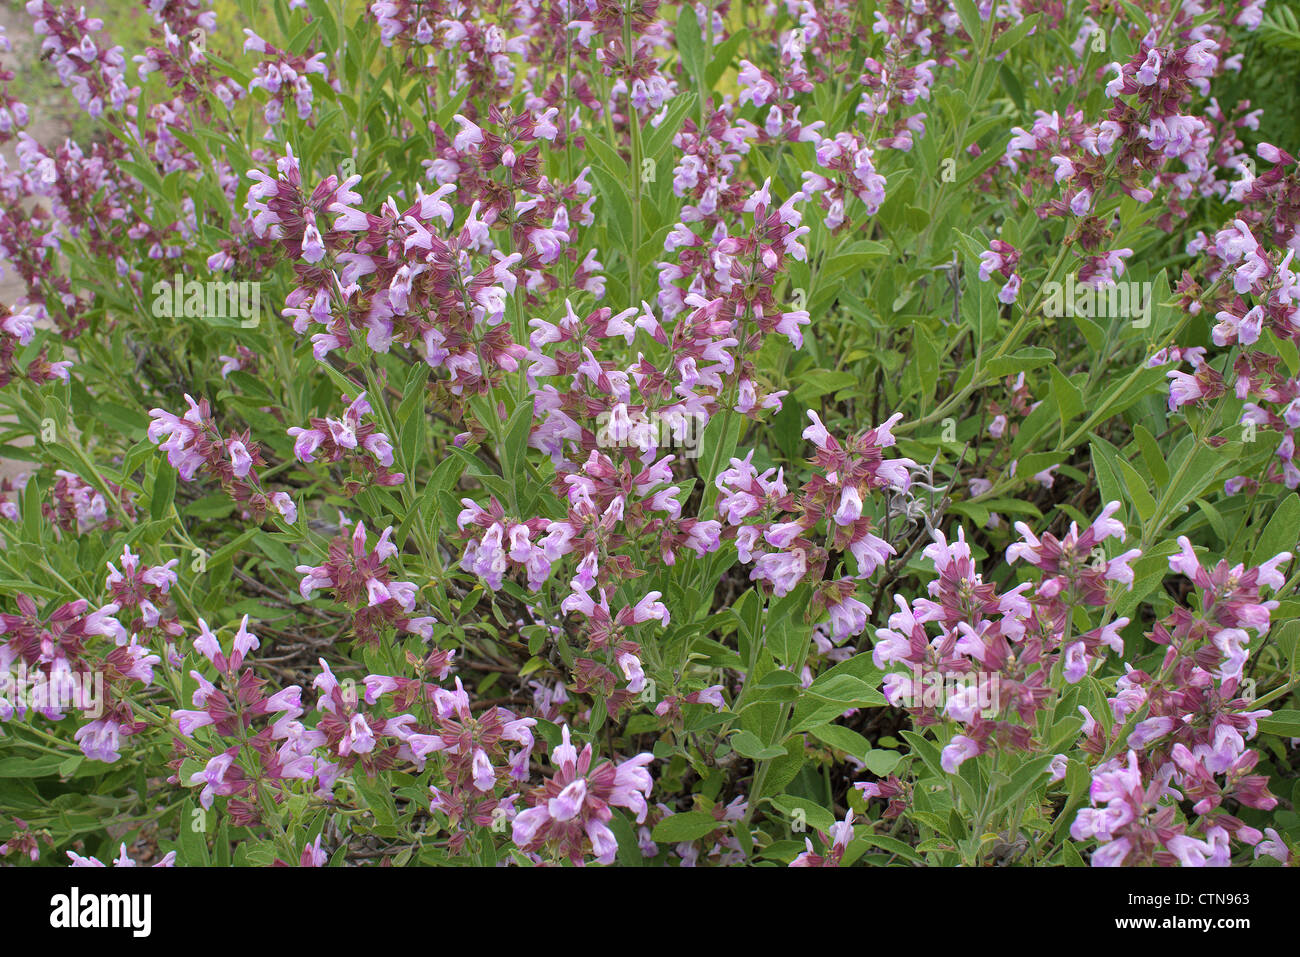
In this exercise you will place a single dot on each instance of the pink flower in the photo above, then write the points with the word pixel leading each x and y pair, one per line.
pixel 1148 731
pixel 850 508
pixel 240 460
pixel 1150 68
pixel 784 570
pixel 957 751
pixel 469 135
pixel 848 618
pixel 1183 389
pixel 650 608
pixel 570 812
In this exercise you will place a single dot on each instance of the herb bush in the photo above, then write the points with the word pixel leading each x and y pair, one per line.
pixel 583 431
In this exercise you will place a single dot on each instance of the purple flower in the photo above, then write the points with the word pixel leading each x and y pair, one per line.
pixel 960 749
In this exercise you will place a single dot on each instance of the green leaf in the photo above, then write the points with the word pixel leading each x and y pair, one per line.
pixel 43 766
pixel 926 751
pixel 853 259
pixel 1281 533
pixel 1137 489
pixel 845 690
pixel 1285 724
pixel 1077 779
pixel 786 634
pixel 1149 572
pixel 850 684
pixel 33 521
pixel 779 679
pixel 516 440
pixel 1017 93
pixel 1066 396
pixel 842 739
pixel 690 45
pixel 129 422
pixel 970 18
pixel 723 54
pixel 194 843
pixel 1065 731
pixel 1196 468
pixel 751 746
pixel 1108 479
pixel 1015 34
pixel 629 855
pixel 1036 422
pixel 1215 518
pixel 616 205
pixel 687 826
pixel 136 456
pixel 818 382
pixel 1023 779
pixel 1151 455
pixel 69 767
pixel 748 612
pixel 1022 360
pixel 891 844
pixel 1288 639
pixel 783 770
pixel 608 157
pixel 1070 857
pixel 1137 16
pixel 882 763
pixel 379 799
pixel 230 548
pixel 145 173
pixel 275 550
pixel 210 507
pixel 1091 331
pixel 658 138
pixel 164 490
pixel 813 813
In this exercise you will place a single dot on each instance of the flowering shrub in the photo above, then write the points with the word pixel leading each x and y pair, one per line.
pixel 806 433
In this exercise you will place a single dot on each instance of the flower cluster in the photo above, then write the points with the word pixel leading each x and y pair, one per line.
pixel 57 660
pixel 262 761
pixel 568 815
pixel 781 534
pixel 988 669
pixel 1189 721
pixel 122 860
pixel 77 506
pixel 361 579
pixel 18 329
pixel 140 595
pixel 193 442
pixel 285 77
pixel 330 440
pixel 661 310
pixel 96 74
